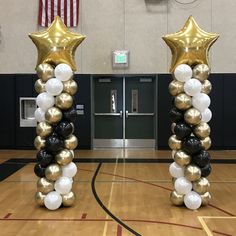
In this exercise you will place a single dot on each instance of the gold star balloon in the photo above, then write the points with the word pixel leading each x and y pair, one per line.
pixel 190 45
pixel 57 44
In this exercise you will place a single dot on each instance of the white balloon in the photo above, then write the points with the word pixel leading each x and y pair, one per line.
pixel 201 101
pixel 206 115
pixel 69 170
pixel 45 101
pixel 176 170
pixel 39 115
pixel 53 200
pixel 63 185
pixel 63 72
pixel 182 185
pixel 54 86
pixel 192 87
pixel 183 72
pixel 192 200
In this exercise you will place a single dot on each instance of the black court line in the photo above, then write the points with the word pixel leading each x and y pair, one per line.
pixel 119 160
pixel 104 207
pixel 8 168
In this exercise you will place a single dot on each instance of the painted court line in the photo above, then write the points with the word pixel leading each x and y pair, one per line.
pixel 119 230
pixel 7 216
pixel 84 216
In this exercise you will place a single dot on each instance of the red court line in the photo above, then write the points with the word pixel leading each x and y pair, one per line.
pixel 155 185
pixel 84 215
pixel 119 230
pixel 217 232
pixel 7 216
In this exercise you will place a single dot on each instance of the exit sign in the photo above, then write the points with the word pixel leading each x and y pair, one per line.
pixel 120 58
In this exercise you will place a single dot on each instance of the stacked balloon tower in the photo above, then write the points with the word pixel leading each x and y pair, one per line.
pixel 55 115
pixel 190 115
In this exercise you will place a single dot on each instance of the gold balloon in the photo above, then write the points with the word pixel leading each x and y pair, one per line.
pixel 206 198
pixel 39 143
pixel 173 180
pixel 57 44
pixel 206 87
pixel 174 143
pixel 176 87
pixel 176 199
pixel 68 199
pixel 64 157
pixel 182 158
pixel 43 129
pixel 192 116
pixel 39 86
pixel 190 45
pixel 206 143
pixel 71 142
pixel 201 72
pixel 70 86
pixel 64 101
pixel 192 172
pixel 53 115
pixel 173 127
pixel 72 153
pixel 202 130
pixel 53 172
pixel 201 186
pixel 45 71
pixel 45 186
pixel 183 101
pixel 39 198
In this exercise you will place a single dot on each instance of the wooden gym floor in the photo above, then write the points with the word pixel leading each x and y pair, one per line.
pixel 119 192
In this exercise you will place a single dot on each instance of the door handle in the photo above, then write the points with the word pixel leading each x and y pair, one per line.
pixel 121 114
pixel 126 114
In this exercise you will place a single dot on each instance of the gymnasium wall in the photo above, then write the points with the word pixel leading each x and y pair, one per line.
pixel 136 25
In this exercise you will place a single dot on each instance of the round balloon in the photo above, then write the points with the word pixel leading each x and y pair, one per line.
pixel 192 116
pixel 201 158
pixel 53 115
pixel 206 170
pixel 45 71
pixel 64 101
pixel 39 198
pixel 176 170
pixel 182 158
pixel 39 170
pixel 64 157
pixel 63 72
pixel 69 170
pixel 45 186
pixel 201 72
pixel 182 130
pixel 176 87
pixel 45 101
pixel 63 185
pixel 206 198
pixel 206 87
pixel 39 143
pixel 201 186
pixel 54 144
pixel 53 200
pixel 201 101
pixel 43 129
pixel 64 129
pixel 191 145
pixel 70 115
pixel 177 199
pixel 192 87
pixel 183 186
pixel 70 87
pixel 202 130
pixel 68 199
pixel 192 172
pixel 206 115
pixel 39 115
pixel 54 86
pixel 174 143
pixel 183 101
pixel 192 200
pixel 183 72
pixel 71 142
pixel 39 86
pixel 53 172
pixel 44 158
pixel 176 115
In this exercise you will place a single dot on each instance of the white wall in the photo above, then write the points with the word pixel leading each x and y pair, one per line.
pixel 136 25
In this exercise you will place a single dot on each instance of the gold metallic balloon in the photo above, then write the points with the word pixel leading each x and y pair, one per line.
pixel 173 127
pixel 53 172
pixel 201 72
pixel 192 172
pixel 206 87
pixel 192 116
pixel 39 143
pixel 176 87
pixel 176 199
pixel 57 44
pixel 206 143
pixel 174 143
pixel 173 180
pixel 183 101
pixel 39 198
pixel 43 129
pixel 68 199
pixel 202 130
pixel 53 115
pixel 201 186
pixel 39 86
pixel 70 86
pixel 206 198
pixel 64 101
pixel 64 157
pixel 190 45
pixel 73 154
pixel 71 142
pixel 45 71
pixel 182 158
pixel 45 186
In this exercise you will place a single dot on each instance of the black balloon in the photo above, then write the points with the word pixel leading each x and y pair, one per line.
pixel 54 144
pixel 70 115
pixel 39 170
pixel 191 145
pixel 44 158
pixel 202 158
pixel 206 170
pixel 176 115
pixel 64 129
pixel 182 130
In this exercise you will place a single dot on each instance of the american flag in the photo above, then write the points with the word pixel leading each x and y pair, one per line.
pixel 68 10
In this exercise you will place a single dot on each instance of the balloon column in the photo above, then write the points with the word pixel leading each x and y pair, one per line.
pixel 55 115
pixel 189 115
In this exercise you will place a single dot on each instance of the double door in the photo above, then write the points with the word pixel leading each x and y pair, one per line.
pixel 124 112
